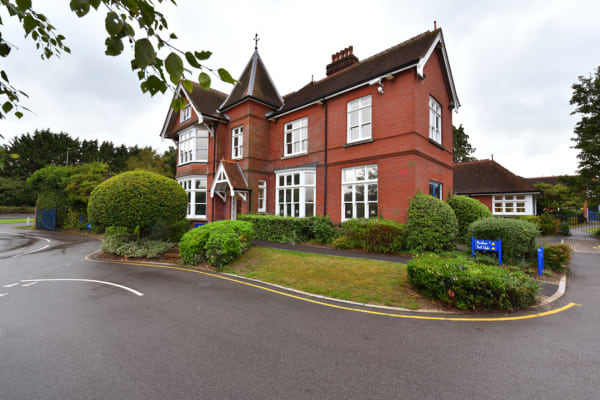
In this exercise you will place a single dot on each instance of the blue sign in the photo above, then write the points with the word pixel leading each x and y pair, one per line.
pixel 487 245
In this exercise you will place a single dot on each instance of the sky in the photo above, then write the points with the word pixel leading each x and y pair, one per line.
pixel 513 64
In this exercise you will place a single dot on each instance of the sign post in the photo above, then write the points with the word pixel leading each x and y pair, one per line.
pixel 540 260
pixel 487 245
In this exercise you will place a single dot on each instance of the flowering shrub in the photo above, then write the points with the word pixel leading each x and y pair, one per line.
pixel 557 257
pixel 461 282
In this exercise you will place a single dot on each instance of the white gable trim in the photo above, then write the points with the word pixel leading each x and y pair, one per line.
pixel 421 67
pixel 178 90
pixel 221 177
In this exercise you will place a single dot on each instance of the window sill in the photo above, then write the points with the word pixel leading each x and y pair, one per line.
pixel 191 162
pixel 294 155
pixel 356 143
pixel 436 144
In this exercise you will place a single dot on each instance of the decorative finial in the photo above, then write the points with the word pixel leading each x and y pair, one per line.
pixel 256 39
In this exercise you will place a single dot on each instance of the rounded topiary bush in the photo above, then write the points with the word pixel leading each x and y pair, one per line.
pixel 518 237
pixel 217 243
pixel 467 211
pixel 431 226
pixel 137 199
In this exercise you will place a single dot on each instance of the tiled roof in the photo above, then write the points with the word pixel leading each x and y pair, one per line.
pixel 487 177
pixel 405 54
pixel 207 101
pixel 254 83
pixel 234 174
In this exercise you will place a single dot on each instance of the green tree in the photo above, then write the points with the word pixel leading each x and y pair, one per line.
pixel 14 192
pixel 147 159
pixel 586 98
pixel 461 147
pixel 558 197
pixel 134 22
pixel 170 158
pixel 41 149
pixel 82 180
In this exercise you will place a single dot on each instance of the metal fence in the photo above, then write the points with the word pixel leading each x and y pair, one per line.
pixel 45 219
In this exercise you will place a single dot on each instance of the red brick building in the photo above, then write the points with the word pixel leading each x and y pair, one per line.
pixel 358 143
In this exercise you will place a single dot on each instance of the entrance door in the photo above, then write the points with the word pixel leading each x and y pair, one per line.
pixel 236 206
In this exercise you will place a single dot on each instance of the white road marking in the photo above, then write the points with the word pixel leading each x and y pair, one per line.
pixel 35 251
pixel 87 280
pixel 3 294
pixel 29 284
pixel 11 285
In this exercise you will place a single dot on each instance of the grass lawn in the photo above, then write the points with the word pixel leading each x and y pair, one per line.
pixel 362 281
pixel 14 220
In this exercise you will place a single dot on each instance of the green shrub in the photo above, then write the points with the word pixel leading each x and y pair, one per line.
pixel 171 232
pixel 373 235
pixel 597 233
pixel 557 257
pixel 217 243
pixel 289 229
pixel 518 237
pixel 463 283
pixel 125 245
pixel 432 225
pixel 117 230
pixel 564 229
pixel 71 219
pixel 137 199
pixel 548 224
pixel 467 211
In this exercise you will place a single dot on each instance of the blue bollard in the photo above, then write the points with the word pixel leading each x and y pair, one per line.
pixel 540 260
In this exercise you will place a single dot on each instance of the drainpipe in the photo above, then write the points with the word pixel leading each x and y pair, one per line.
pixel 325 166
pixel 212 200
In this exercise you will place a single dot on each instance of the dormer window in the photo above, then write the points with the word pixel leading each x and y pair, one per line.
pixel 359 119
pixel 185 114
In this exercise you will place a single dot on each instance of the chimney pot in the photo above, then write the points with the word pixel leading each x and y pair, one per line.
pixel 351 49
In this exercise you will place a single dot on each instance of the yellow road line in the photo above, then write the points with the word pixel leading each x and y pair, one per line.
pixel 457 319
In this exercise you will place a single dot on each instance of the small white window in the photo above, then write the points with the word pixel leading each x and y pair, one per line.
pixel 513 205
pixel 435 121
pixel 237 142
pixel 262 196
pixel 359 192
pixel 359 119
pixel 185 114
pixel 296 137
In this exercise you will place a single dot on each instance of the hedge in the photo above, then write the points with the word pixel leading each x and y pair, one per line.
pixel 217 243
pixel 518 237
pixel 467 211
pixel 432 224
pixel 290 229
pixel 466 284
pixel 137 199
pixel 372 235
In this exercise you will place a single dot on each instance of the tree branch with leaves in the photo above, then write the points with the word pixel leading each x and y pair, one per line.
pixel 159 65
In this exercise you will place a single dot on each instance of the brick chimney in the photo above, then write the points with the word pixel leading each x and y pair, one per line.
pixel 341 60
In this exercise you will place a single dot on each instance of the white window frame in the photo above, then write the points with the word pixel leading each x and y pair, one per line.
pixel 262 196
pixel 354 181
pixel 185 114
pixel 439 187
pixel 193 146
pixel 237 142
pixel 296 192
pixel 295 137
pixel 359 110
pixel 512 204
pixel 435 120
pixel 194 186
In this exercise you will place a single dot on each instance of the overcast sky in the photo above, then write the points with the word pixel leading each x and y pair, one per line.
pixel 513 64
